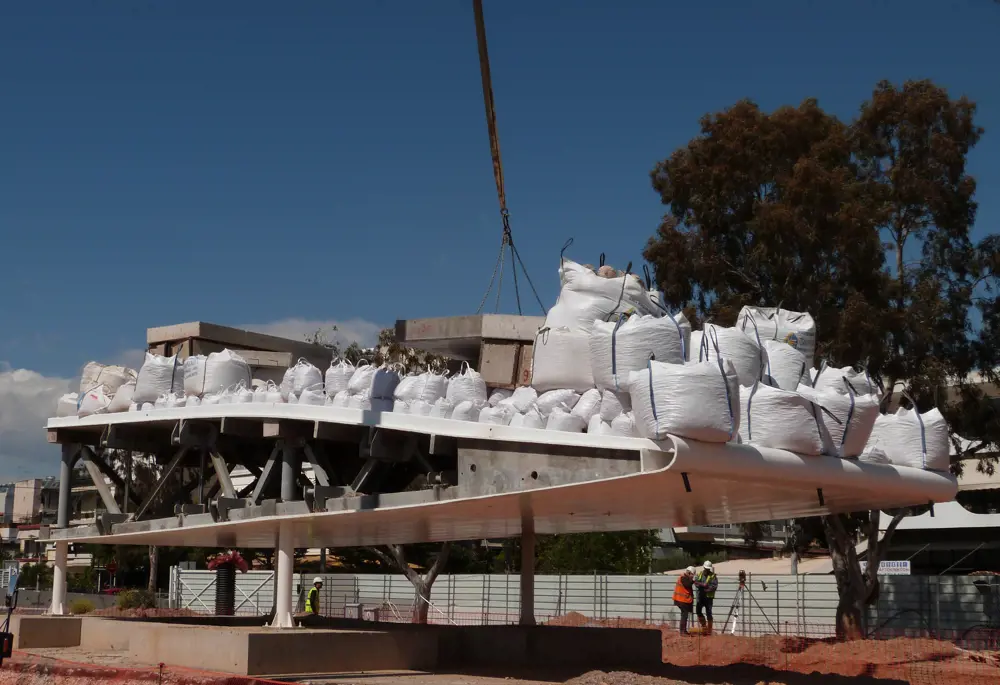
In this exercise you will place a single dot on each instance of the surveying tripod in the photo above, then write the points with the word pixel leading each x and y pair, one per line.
pixel 734 610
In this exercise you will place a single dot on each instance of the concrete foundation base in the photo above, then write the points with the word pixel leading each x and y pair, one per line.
pixel 347 646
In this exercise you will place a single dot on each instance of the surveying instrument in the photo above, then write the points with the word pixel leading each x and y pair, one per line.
pixel 734 611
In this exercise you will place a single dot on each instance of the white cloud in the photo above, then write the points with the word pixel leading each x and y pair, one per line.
pixel 365 333
pixel 27 400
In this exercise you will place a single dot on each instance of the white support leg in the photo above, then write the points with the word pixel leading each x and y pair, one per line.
pixel 58 607
pixel 285 577
pixel 528 572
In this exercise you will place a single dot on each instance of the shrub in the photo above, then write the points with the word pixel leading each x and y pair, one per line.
pixel 81 606
pixel 136 599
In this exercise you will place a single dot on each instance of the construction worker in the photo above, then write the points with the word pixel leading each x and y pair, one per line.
pixel 706 583
pixel 312 599
pixel 684 596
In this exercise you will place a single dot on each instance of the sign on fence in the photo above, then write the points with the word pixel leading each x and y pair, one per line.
pixel 890 568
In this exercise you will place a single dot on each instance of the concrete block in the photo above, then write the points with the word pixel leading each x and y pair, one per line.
pixel 295 652
pixel 45 631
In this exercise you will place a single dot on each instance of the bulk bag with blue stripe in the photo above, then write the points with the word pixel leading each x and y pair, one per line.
pixel 797 329
pixel 620 347
pixel 909 438
pixel 698 401
pixel 846 420
pixel 784 367
pixel 779 419
pixel 741 348
pixel 158 376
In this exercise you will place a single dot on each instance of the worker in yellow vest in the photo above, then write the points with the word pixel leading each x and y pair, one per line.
pixel 312 599
pixel 706 583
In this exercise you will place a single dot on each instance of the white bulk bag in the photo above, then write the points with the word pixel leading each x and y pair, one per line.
pixel 499 395
pixel 360 401
pixel 146 406
pixel 614 404
pixel 588 406
pixel 742 349
pixel 499 415
pixel 170 401
pixel 242 394
pixel 795 328
pixel 400 407
pixel 831 379
pixel 785 365
pixel 287 381
pixel 560 420
pixel 361 379
pixel 779 419
pixel 468 410
pixel 342 399
pixel 620 347
pixel 384 382
pixel 421 408
pixel 562 399
pixel 624 426
pixel 585 296
pixel 68 404
pixel 212 374
pixel 523 399
pixel 699 401
pixel 429 387
pixel 466 385
pixel 443 408
pixel 874 455
pixel 598 426
pixel 560 358
pixel 158 376
pixel 406 389
pixel 122 399
pixel 847 422
pixel 313 396
pixel 111 377
pixel 338 376
pixel 305 375
pixel 909 438
pixel 685 327
pixel 529 419
pixel 268 394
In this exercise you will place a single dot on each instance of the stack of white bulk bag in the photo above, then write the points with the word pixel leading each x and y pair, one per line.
pixel 215 373
pixel 556 399
pixel 467 410
pixel 699 401
pixel 909 438
pixel 560 420
pixel 795 328
pixel 158 376
pixel 560 359
pixel 830 379
pixel 785 365
pixel 122 399
pixel 598 426
pixel 617 349
pixel 68 404
pixel 110 378
pixel 614 404
pixel 466 385
pixel 742 349
pixel 779 419
pixel 846 420
pixel 585 297
pixel 588 406
pixel 93 402
pixel 624 426
pixel 268 394
pixel 338 376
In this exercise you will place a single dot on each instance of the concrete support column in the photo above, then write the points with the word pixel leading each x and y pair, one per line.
pixel 291 465
pixel 528 572
pixel 58 605
pixel 284 578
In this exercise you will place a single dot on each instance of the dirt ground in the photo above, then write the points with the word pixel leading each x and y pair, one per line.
pixel 714 660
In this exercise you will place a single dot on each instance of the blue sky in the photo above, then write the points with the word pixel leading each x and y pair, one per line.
pixel 279 163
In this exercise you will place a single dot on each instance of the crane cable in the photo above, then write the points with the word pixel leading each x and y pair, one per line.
pixel 507 239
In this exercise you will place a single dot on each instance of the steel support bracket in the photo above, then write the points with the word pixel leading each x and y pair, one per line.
pixel 106 521
pixel 321 493
pixel 223 505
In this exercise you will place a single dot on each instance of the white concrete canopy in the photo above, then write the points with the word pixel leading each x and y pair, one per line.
pixel 682 483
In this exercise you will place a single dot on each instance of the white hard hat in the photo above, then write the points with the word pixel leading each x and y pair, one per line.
pixel 690 569
pixel 708 565
pixel 317 579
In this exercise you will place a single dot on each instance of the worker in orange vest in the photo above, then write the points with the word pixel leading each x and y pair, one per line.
pixel 684 597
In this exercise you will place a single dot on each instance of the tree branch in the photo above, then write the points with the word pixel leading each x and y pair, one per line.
pixel 439 563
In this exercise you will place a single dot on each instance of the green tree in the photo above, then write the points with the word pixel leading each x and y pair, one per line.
pixel 628 552
pixel 867 226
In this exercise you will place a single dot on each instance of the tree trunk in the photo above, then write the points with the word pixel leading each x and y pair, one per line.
pixel 421 584
pixel 795 563
pixel 421 601
pixel 154 568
